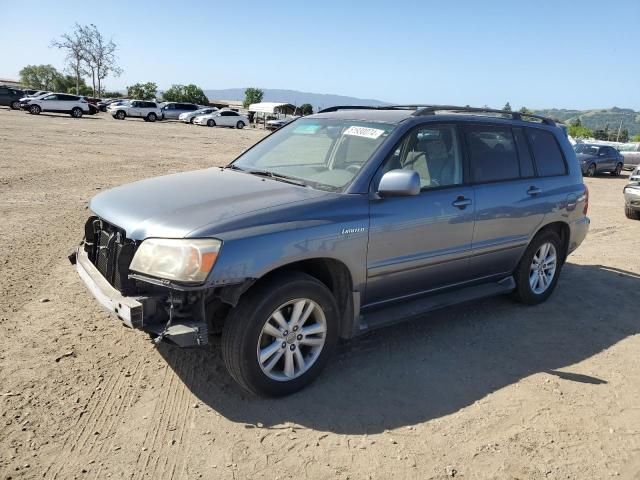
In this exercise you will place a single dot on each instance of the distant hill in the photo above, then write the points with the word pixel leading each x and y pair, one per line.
pixel 318 100
pixel 598 118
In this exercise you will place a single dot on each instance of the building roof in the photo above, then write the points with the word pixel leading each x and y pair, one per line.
pixel 270 107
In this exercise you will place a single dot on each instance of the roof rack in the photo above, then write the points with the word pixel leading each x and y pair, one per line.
pixel 423 109
pixel 433 109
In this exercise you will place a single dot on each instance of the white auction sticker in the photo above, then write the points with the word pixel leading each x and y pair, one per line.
pixel 364 132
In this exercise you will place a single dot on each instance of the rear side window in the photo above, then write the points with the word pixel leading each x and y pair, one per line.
pixel 546 153
pixel 492 152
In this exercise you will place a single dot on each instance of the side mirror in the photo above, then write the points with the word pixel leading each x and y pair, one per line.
pixel 399 183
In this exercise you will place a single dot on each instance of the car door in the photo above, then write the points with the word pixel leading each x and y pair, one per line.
pixel 510 201
pixel 611 158
pixel 4 96
pixel 224 119
pixel 50 103
pixel 423 242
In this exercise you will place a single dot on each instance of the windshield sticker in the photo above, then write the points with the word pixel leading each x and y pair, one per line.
pixel 306 129
pixel 366 132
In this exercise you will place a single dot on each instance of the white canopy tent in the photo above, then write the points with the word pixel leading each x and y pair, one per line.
pixel 273 108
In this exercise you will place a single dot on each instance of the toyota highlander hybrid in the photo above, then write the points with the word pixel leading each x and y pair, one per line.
pixel 335 224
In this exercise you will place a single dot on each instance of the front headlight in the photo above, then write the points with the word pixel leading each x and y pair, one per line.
pixel 181 259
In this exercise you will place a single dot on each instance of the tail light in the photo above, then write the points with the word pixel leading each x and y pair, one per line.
pixel 586 199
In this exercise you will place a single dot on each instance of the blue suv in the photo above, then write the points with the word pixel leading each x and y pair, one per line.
pixel 337 223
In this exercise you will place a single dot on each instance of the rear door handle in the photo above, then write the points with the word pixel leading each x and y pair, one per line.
pixel 533 191
pixel 461 202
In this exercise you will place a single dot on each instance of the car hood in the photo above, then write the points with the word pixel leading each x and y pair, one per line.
pixel 172 206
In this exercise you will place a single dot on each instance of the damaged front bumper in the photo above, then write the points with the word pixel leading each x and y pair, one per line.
pixel 141 312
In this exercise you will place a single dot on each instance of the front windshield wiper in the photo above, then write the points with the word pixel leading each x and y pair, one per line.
pixel 276 176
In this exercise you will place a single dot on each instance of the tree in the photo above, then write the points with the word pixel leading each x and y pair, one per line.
pixel 507 107
pixel 525 111
pixel 67 83
pixel 142 91
pixel 99 56
pixel 577 122
pixel 578 131
pixel 624 136
pixel 39 76
pixel 252 95
pixel 636 138
pixel 305 109
pixel 74 44
pixel 108 94
pixel 185 93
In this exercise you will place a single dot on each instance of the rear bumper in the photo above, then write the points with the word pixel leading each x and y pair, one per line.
pixel 579 230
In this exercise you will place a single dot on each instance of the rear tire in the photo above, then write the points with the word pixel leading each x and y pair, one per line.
pixel 35 109
pixel 631 213
pixel 264 325
pixel 537 273
pixel 211 123
pixel 616 172
pixel 76 112
pixel 240 125
pixel 15 106
pixel 152 117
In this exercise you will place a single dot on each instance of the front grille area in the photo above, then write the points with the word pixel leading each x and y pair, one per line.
pixel 111 252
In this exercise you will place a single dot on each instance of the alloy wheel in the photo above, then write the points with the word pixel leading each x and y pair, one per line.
pixel 291 339
pixel 543 268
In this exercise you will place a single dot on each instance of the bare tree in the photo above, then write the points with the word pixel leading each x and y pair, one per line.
pixel 100 56
pixel 74 45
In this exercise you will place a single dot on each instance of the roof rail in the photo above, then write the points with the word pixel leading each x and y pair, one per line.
pixel 370 107
pixel 433 109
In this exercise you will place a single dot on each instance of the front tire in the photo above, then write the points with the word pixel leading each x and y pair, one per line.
pixel 35 109
pixel 15 106
pixel 591 171
pixel 631 213
pixel 280 336
pixel 120 115
pixel 539 268
pixel 211 123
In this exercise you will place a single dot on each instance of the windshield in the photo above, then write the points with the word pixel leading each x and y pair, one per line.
pixel 586 149
pixel 322 153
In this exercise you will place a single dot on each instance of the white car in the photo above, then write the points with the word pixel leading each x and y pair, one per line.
pixel 74 105
pixel 188 117
pixel 35 95
pixel 635 174
pixel 222 118
pixel 145 109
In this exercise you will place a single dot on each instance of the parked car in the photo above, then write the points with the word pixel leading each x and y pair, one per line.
pixel 10 97
pixel 92 100
pixel 596 159
pixel 635 175
pixel 631 154
pixel 145 109
pixel 632 200
pixel 74 105
pixel 222 118
pixel 336 224
pixel 104 104
pixel 279 122
pixel 35 94
pixel 188 117
pixel 29 91
pixel 172 110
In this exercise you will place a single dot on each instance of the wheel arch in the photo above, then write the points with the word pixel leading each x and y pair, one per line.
pixel 332 273
pixel 561 229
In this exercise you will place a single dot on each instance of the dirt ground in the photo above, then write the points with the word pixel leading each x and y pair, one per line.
pixel 488 390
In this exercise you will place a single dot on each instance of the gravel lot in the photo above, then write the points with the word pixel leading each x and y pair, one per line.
pixel 488 390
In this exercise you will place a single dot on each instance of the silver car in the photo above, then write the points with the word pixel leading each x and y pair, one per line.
pixel 631 154
pixel 187 117
pixel 172 110
pixel 632 201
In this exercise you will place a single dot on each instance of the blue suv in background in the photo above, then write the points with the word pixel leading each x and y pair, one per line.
pixel 337 223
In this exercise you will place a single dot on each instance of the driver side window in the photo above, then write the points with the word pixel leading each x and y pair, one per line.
pixel 433 151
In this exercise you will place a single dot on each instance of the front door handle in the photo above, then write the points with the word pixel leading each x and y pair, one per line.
pixel 533 191
pixel 461 202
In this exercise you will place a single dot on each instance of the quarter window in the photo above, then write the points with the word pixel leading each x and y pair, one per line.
pixel 546 153
pixel 492 153
pixel 524 155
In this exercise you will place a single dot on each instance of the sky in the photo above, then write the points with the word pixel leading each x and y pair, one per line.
pixel 539 54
